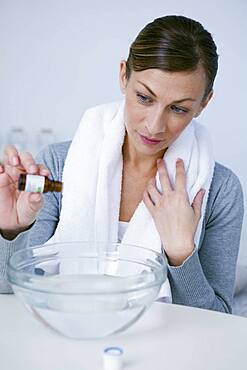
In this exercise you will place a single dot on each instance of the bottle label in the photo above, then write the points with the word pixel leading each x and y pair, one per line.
pixel 35 183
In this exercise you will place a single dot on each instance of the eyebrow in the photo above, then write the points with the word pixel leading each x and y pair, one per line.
pixel 151 92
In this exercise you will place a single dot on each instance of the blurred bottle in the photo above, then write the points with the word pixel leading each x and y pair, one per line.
pixel 45 137
pixel 17 137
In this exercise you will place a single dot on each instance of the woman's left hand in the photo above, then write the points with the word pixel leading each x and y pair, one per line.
pixel 175 219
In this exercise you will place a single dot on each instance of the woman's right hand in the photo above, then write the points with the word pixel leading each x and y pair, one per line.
pixel 18 209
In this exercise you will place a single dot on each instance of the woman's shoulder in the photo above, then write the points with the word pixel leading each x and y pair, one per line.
pixel 60 149
pixel 53 157
pixel 225 191
pixel 223 177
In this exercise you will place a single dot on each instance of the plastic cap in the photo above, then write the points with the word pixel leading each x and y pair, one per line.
pixel 113 358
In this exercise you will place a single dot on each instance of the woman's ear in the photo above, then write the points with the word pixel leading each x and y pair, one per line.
pixel 122 76
pixel 204 103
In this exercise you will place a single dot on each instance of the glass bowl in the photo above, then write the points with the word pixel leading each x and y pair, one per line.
pixel 87 290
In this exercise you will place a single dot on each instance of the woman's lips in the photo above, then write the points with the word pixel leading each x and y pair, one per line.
pixel 148 141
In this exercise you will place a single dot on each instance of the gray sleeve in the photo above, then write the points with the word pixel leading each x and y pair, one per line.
pixel 45 225
pixel 48 217
pixel 206 279
pixel 7 248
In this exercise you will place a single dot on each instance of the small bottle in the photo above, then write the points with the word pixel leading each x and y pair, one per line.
pixel 38 184
pixel 45 137
pixel 17 137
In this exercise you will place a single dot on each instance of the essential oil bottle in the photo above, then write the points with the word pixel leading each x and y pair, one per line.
pixel 38 184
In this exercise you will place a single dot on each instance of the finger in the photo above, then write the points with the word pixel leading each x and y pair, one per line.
pixel 148 202
pixel 11 172
pixel 180 175
pixel 36 201
pixel 28 162
pixel 163 175
pixel 11 155
pixel 197 202
pixel 152 191
pixel 42 170
pixel 14 171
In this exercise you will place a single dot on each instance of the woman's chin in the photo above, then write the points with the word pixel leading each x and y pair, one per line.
pixel 149 150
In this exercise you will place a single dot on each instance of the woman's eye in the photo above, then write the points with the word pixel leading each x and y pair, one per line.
pixel 178 110
pixel 143 99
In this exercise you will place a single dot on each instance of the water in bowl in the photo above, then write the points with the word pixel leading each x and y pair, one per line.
pixel 87 315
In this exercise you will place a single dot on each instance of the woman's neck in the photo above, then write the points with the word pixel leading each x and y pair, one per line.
pixel 137 161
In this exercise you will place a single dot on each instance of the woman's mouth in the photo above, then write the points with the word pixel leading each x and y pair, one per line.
pixel 149 141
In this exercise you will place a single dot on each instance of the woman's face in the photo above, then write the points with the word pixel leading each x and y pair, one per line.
pixel 159 105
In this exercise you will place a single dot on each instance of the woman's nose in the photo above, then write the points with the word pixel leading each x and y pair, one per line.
pixel 156 124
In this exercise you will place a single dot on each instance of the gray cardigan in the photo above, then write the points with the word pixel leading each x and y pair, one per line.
pixel 205 279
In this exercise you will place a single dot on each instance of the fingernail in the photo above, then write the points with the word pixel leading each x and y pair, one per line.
pixel 15 161
pixel 179 160
pixel 32 168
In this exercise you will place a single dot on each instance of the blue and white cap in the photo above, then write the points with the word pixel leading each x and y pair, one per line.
pixel 113 358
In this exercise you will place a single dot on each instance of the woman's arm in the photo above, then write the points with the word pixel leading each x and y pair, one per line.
pixel 206 278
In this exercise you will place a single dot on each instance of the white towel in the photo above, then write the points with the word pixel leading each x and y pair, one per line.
pixel 92 179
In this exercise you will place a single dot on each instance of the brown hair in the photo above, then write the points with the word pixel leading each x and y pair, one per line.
pixel 173 44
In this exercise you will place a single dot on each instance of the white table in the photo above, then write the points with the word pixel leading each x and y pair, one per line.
pixel 166 337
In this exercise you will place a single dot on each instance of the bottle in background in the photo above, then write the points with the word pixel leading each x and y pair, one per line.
pixel 17 137
pixel 45 137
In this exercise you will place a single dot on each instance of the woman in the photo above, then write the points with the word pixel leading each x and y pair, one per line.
pixel 196 205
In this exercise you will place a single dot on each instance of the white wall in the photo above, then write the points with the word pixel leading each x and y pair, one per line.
pixel 59 57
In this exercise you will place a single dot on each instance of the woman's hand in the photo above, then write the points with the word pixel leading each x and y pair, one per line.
pixel 175 219
pixel 18 210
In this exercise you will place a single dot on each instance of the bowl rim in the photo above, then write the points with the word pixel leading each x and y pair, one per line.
pixel 160 268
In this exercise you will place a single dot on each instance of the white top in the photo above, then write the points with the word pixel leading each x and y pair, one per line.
pixel 122 227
